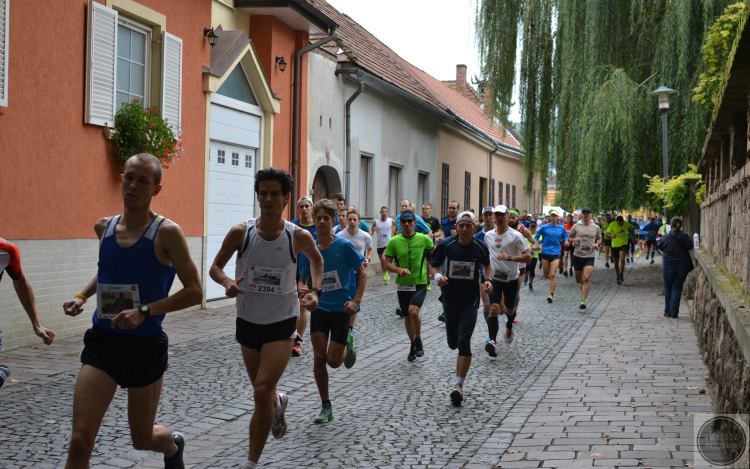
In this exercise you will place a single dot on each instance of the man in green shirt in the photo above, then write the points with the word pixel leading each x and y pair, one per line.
pixel 410 250
pixel 635 228
pixel 618 231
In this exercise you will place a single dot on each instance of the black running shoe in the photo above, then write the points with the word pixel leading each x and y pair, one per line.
pixel 412 353
pixel 457 395
pixel 565 273
pixel 441 318
pixel 549 299
pixel 176 462
pixel 418 347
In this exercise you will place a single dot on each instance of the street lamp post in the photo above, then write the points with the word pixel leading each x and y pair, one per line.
pixel 663 94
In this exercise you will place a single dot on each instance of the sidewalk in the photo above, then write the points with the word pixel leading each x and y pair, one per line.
pixel 628 394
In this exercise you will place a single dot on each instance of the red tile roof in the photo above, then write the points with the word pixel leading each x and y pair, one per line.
pixel 373 56
pixel 470 92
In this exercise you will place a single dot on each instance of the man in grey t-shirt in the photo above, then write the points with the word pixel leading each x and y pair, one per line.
pixel 586 236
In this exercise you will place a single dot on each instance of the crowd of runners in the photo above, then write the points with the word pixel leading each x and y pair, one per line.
pixel 312 268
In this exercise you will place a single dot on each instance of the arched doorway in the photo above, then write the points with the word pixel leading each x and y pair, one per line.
pixel 325 182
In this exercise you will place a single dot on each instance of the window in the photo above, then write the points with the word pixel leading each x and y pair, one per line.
pixel 394 188
pixel 237 87
pixel 514 197
pixel 507 195
pixel 235 159
pixel 423 190
pixel 4 40
pixel 133 63
pixel 492 192
pixel 249 161
pixel 444 196
pixel 482 188
pixel 221 157
pixel 467 190
pixel 365 184
pixel 500 193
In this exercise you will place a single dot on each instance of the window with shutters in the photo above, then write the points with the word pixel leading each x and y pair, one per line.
pixel 492 192
pixel 133 63
pixel 4 39
pixel 500 193
pixel 513 204
pixel 507 195
pixel 444 196
pixel 467 190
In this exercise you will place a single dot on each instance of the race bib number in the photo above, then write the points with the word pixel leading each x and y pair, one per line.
pixel 586 247
pixel 501 275
pixel 330 281
pixel 111 300
pixel 266 280
pixel 461 270
pixel 400 287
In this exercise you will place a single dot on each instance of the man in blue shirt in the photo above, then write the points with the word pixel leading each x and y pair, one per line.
pixel 305 221
pixel 420 227
pixel 651 230
pixel 449 222
pixel 461 257
pixel 552 235
pixel 342 264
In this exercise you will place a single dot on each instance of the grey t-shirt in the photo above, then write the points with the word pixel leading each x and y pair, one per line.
pixel 589 235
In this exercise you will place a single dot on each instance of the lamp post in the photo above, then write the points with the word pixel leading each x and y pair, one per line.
pixel 663 94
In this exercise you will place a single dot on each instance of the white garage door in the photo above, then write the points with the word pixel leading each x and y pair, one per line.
pixel 235 140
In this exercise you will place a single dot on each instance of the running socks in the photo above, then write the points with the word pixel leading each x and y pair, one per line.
pixel 460 381
pixel 493 324
pixel 326 403
pixel 486 317
pixel 509 324
pixel 249 465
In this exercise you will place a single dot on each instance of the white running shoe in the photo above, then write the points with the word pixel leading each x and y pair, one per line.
pixel 279 423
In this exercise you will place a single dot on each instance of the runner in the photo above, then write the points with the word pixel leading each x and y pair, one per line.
pixel 632 237
pixel 618 232
pixel 305 221
pixel 410 252
pixel 641 233
pixel 514 223
pixel 126 345
pixel 432 222
pixel 507 249
pixel 464 256
pixel 344 281
pixel 551 234
pixel 10 261
pixel 362 224
pixel 531 268
pixel 586 238
pixel 421 226
pixel 340 205
pixel 567 262
pixel 651 229
pixel 267 298
pixel 488 216
pixel 448 224
pixel 340 220
pixel 607 241
pixel 385 229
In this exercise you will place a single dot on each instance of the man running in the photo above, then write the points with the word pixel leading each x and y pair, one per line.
pixel 362 224
pixel 410 249
pixel 340 205
pixel 551 235
pixel 432 222
pixel 507 249
pixel 420 227
pixel 617 231
pixel 305 221
pixel 488 217
pixel 344 281
pixel 10 261
pixel 531 268
pixel 139 254
pixel 267 298
pixel 463 255
pixel 340 220
pixel 384 228
pixel 567 260
pixel 607 241
pixel 651 229
pixel 448 224
pixel 632 237
pixel 515 223
pixel 585 237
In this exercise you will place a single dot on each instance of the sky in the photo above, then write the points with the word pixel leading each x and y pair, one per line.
pixel 433 35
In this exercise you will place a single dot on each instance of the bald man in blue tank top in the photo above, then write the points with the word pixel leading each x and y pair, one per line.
pixel 139 254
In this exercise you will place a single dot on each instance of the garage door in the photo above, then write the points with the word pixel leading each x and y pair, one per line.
pixel 235 139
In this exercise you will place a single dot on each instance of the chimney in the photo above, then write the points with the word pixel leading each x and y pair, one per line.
pixel 487 101
pixel 461 79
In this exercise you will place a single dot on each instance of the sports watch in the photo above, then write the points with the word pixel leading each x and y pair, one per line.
pixel 145 310
pixel 317 290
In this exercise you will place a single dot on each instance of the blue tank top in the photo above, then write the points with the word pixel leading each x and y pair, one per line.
pixel 135 265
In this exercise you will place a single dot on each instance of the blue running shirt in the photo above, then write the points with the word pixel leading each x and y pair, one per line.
pixel 340 261
pixel 553 235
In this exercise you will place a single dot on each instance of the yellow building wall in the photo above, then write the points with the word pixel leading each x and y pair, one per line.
pixel 224 14
pixel 461 155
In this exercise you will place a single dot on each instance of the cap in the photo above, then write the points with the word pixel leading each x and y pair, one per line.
pixel 487 209
pixel 466 216
pixel 408 216
pixel 501 209
pixel 305 199
pixel 586 209
pixel 553 212
pixel 533 223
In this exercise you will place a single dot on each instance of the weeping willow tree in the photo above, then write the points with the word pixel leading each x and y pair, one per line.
pixel 586 70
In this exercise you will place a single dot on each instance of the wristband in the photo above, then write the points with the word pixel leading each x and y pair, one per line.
pixel 437 276
pixel 81 297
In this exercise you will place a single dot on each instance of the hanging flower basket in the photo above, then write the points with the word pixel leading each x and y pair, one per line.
pixel 139 130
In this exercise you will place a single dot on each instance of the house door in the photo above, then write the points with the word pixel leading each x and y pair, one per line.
pixel 320 186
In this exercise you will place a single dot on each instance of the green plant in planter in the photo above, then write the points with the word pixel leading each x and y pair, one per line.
pixel 139 130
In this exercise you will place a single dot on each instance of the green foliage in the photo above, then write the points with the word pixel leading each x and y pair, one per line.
pixel 678 192
pixel 141 130
pixel 719 42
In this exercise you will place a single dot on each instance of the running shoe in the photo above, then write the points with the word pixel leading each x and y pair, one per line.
pixel 540 266
pixel 515 319
pixel 571 272
pixel 631 260
pixel 457 395
pixel 398 313
pixel 325 414
pixel 606 264
pixel 419 349
pixel 508 336
pixel 429 287
pixel 279 423
pixel 176 462
pixel 386 278
pixel 565 273
pixel 351 353
pixel 412 353
pixel 490 348
pixel 627 260
pixel 652 261
pixel 583 304
pixel 531 287
pixel 4 374
pixel 525 281
pixel 441 317
pixel 619 282
pixel 549 299
pixel 297 349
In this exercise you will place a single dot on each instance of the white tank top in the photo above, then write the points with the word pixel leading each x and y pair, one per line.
pixel 270 269
pixel 384 229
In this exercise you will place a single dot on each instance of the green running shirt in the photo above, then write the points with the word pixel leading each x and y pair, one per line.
pixel 409 253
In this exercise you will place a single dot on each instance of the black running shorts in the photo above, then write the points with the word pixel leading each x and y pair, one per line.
pixel 617 250
pixel 550 257
pixel 651 243
pixel 408 298
pixel 608 242
pixel 580 262
pixel 507 290
pixel 334 323
pixel 255 336
pixel 381 251
pixel 132 361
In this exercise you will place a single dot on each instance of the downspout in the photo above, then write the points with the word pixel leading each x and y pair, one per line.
pixel 295 113
pixel 492 152
pixel 348 164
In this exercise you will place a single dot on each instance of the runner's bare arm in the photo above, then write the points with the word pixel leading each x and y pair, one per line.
pixel 442 280
pixel 232 243
pixel 525 257
pixel 392 268
pixel 531 238
pixel 305 243
pixel 487 269
pixel 361 284
pixel 28 301
pixel 74 307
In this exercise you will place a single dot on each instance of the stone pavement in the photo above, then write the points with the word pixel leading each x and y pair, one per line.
pixel 563 377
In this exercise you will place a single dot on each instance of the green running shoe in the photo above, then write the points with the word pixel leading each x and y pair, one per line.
pixel 351 354
pixel 325 415
pixel 583 304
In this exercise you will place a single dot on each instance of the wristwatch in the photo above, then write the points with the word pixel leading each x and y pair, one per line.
pixel 145 310
pixel 317 290
pixel 510 258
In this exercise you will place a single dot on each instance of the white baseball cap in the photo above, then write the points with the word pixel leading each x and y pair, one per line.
pixel 501 209
pixel 466 216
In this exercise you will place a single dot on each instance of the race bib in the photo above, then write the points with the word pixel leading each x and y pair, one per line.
pixel 586 247
pixel 330 281
pixel 461 270
pixel 501 275
pixel 400 287
pixel 111 300
pixel 266 280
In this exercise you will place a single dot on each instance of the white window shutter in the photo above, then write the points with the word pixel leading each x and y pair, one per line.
pixel 171 81
pixel 4 9
pixel 101 65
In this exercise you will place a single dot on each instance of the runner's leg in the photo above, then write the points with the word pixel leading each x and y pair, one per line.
pixel 553 276
pixel 587 271
pixel 142 406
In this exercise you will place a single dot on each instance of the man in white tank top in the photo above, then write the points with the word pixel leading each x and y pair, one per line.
pixel 384 228
pixel 267 298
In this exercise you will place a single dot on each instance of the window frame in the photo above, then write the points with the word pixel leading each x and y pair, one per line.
pixel 467 190
pixel 148 57
pixel 492 192
pixel 445 188
pixel 513 205
pixel 500 190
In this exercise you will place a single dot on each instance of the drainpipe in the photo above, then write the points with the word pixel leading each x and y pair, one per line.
pixel 492 152
pixel 295 114
pixel 348 164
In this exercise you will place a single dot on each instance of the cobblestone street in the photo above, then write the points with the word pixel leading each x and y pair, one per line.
pixel 569 378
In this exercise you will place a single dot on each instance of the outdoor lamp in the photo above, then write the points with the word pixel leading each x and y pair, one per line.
pixel 281 62
pixel 212 37
pixel 663 93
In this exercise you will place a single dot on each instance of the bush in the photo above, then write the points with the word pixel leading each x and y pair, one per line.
pixel 678 192
pixel 140 130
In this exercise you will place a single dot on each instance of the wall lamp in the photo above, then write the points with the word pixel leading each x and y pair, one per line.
pixel 281 62
pixel 212 37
